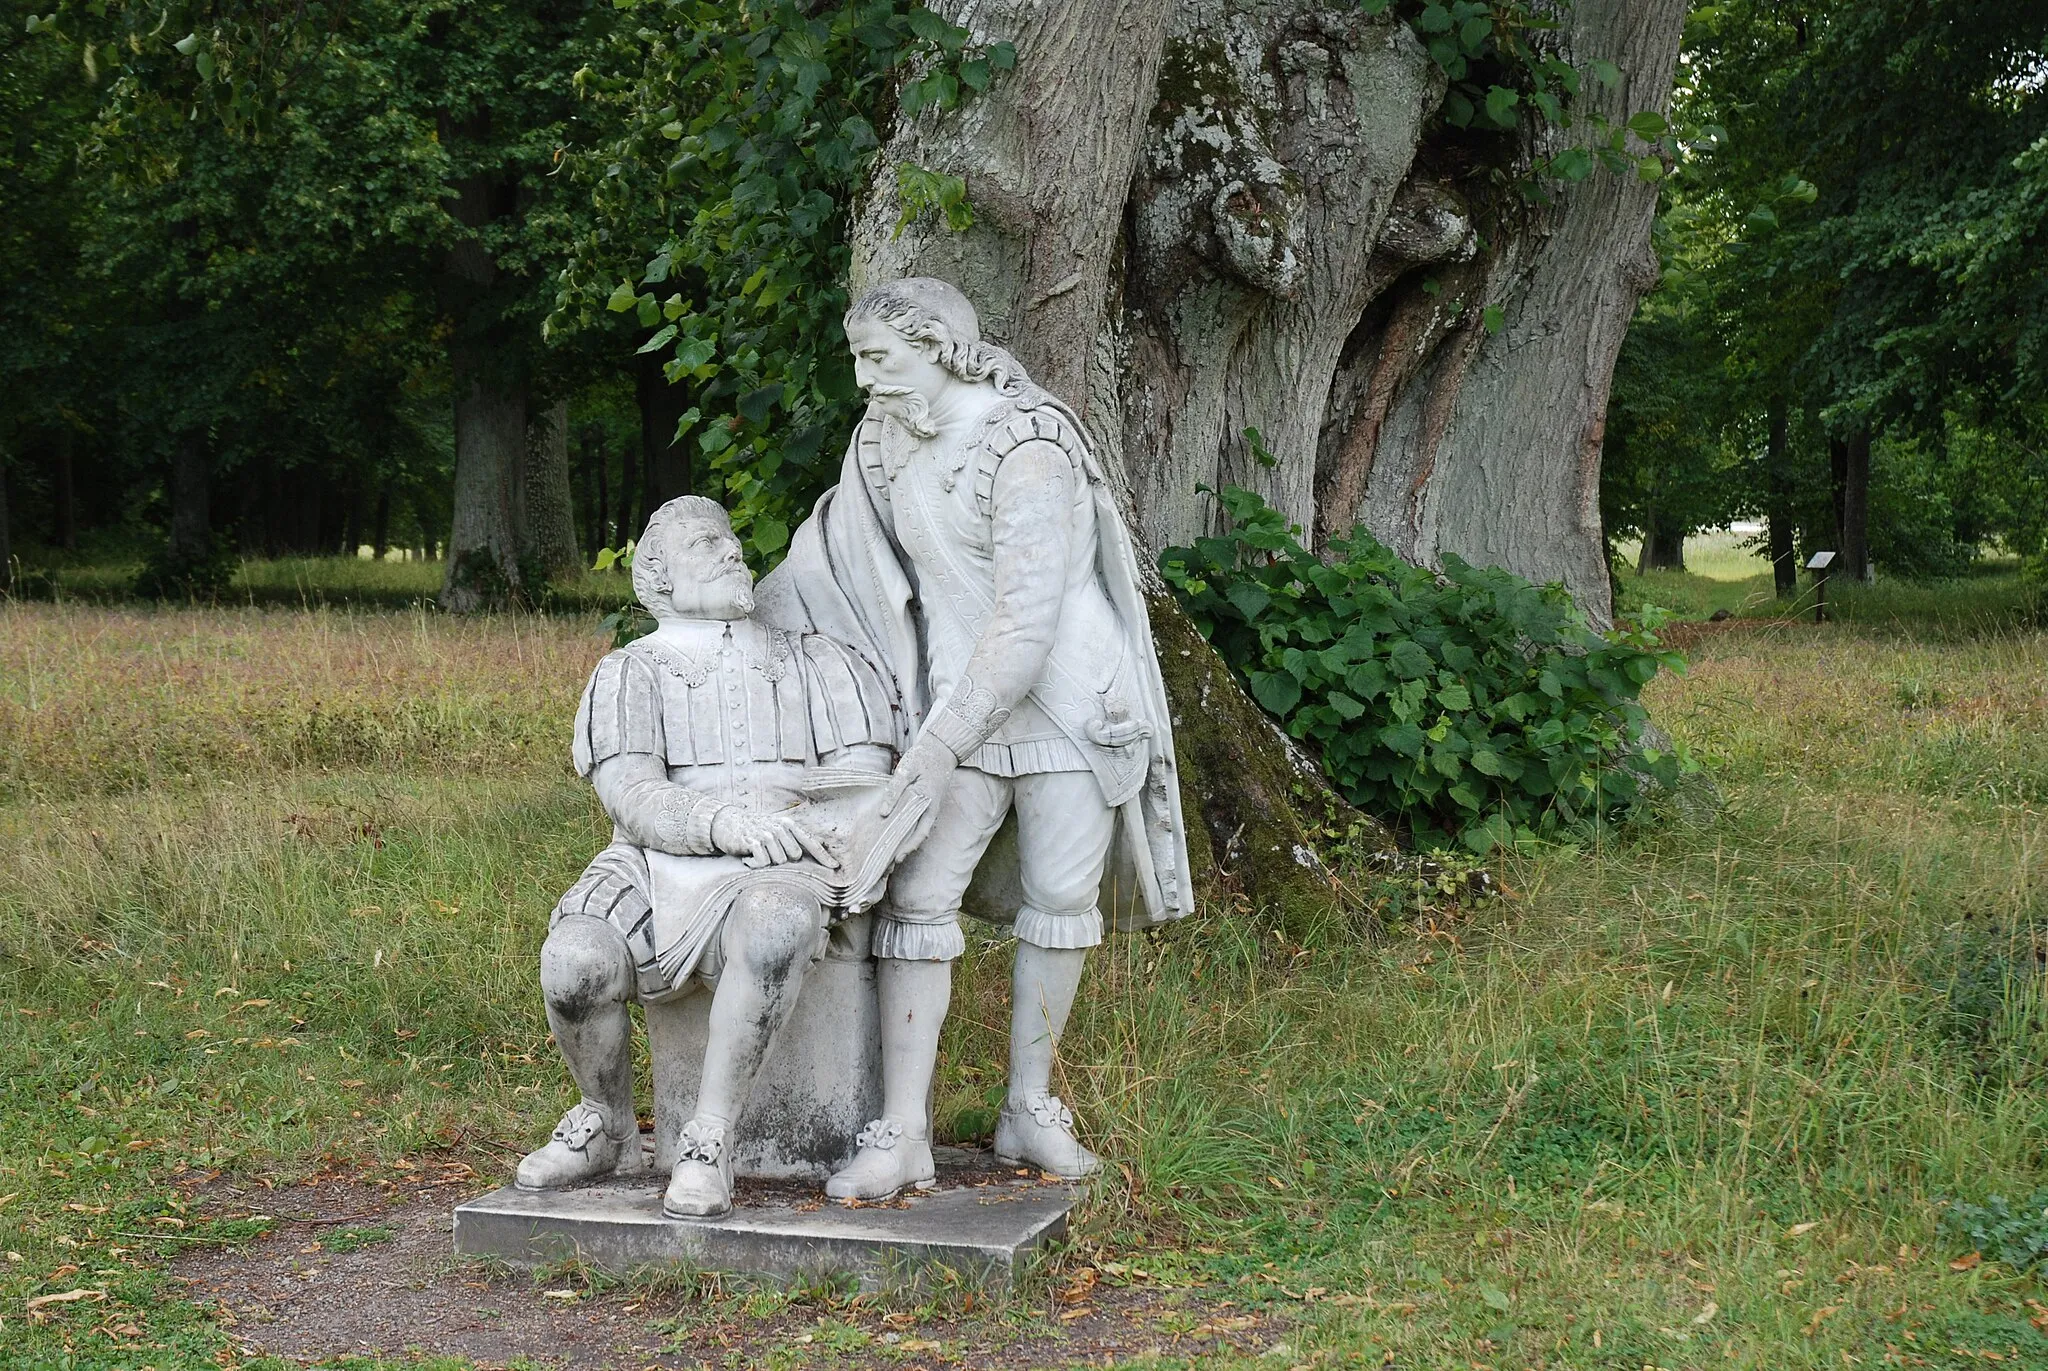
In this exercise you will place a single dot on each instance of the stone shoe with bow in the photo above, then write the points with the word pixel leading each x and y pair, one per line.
pixel 889 1159
pixel 588 1145
pixel 700 1187
pixel 1040 1132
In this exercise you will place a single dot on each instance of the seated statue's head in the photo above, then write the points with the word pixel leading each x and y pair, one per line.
pixel 914 338
pixel 687 565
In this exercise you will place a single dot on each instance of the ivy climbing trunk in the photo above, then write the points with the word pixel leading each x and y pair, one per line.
pixel 1198 217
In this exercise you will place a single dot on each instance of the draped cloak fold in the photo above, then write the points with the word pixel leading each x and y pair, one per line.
pixel 845 577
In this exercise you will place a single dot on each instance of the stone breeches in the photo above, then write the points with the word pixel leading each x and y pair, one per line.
pixel 615 887
pixel 1063 836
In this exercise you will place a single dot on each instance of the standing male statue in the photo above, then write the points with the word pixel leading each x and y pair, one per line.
pixel 700 740
pixel 972 546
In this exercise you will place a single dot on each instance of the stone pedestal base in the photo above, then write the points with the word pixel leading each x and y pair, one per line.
pixel 821 1082
pixel 978 1225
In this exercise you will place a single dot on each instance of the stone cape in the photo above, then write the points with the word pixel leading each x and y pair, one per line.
pixel 844 578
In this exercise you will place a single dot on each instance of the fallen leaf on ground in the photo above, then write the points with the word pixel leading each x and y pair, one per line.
pixel 67 1297
pixel 1796 1229
pixel 1820 1315
pixel 1966 1263
pixel 1707 1315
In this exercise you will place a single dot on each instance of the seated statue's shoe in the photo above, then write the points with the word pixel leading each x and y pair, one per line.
pixel 700 1187
pixel 588 1145
pixel 889 1159
pixel 1040 1132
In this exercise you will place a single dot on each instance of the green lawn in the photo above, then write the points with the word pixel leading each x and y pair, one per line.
pixel 314 582
pixel 272 882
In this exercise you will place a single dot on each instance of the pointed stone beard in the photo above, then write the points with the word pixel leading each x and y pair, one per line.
pixel 908 407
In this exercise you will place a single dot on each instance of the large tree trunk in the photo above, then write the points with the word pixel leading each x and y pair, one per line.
pixel 666 462
pixel 484 535
pixel 550 518
pixel 191 499
pixel 1195 217
pixel 487 534
pixel 1200 217
pixel 1663 548
pixel 1849 457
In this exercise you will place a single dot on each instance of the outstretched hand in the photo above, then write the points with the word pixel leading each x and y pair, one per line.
pixel 767 839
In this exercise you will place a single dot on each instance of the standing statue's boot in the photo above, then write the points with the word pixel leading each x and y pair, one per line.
pixel 889 1159
pixel 588 1145
pixel 1040 1131
pixel 700 1187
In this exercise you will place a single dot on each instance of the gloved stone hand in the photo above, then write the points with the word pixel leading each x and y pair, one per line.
pixel 926 768
pixel 767 839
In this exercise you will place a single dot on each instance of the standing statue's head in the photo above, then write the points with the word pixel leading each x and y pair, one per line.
pixel 917 338
pixel 687 564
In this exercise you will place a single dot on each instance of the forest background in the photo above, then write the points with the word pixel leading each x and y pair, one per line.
pixel 268 276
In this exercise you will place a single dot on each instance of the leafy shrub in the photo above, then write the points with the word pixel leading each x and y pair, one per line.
pixel 171 575
pixel 2016 1237
pixel 1472 705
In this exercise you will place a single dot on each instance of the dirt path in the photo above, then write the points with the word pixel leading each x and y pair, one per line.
pixel 352 1268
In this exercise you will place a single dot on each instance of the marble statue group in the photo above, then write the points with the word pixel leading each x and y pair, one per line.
pixel 955 648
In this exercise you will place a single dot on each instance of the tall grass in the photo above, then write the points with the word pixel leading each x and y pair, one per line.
pixel 1700 1090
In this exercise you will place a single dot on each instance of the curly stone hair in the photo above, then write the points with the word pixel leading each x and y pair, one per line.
pixel 651 582
pixel 938 318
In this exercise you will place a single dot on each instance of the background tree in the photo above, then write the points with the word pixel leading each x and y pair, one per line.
pixel 1855 235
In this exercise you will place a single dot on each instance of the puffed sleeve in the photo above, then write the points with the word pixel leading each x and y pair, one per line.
pixel 620 712
pixel 850 704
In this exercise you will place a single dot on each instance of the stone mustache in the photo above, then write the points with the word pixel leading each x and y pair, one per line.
pixel 956 648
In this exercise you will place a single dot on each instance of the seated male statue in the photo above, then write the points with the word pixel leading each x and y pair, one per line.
pixel 698 739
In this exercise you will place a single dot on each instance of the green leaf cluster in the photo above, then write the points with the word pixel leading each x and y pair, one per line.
pixel 722 210
pixel 2017 1236
pixel 1505 74
pixel 1470 705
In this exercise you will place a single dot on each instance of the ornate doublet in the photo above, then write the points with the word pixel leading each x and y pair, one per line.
pixel 737 714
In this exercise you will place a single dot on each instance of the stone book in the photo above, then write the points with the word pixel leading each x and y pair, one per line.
pixel 845 812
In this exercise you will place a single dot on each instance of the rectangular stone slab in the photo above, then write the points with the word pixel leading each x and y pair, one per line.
pixel 981 1231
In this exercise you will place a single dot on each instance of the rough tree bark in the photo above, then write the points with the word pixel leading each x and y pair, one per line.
pixel 550 517
pixel 1849 457
pixel 487 534
pixel 191 499
pixel 1198 216
pixel 1195 217
pixel 490 464
pixel 1663 548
